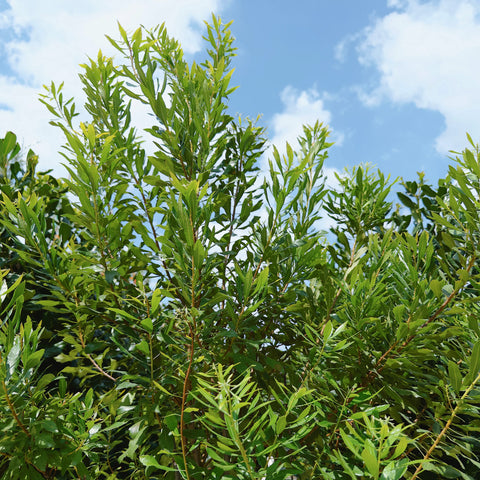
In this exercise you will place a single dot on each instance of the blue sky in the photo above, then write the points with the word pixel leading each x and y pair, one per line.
pixel 396 80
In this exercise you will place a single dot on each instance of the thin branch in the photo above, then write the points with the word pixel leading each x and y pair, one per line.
pixel 12 409
pixel 380 365
pixel 94 363
pixel 445 428
pixel 184 400
pixel 339 291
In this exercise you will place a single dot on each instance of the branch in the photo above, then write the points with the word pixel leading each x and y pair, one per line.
pixel 446 427
pixel 95 364
pixel 12 409
pixel 184 400
pixel 380 365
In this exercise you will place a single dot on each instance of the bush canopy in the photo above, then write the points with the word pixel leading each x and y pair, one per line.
pixel 171 311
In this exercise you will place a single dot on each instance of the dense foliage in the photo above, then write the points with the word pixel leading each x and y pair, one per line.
pixel 170 311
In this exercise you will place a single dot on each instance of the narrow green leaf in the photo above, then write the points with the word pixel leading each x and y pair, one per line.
pixel 280 425
pixel 143 347
pixel 436 287
pixel 327 331
pixel 149 461
pixel 475 359
pixel 370 460
pixel 395 470
pixel 34 359
pixel 348 441
pixel 400 447
pixel 262 279
pixel 147 324
pixel 454 376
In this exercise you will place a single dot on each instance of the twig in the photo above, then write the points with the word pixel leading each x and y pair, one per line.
pixel 380 365
pixel 95 364
pixel 12 409
pixel 184 399
pixel 446 427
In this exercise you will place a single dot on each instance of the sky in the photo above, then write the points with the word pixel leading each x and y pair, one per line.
pixel 396 81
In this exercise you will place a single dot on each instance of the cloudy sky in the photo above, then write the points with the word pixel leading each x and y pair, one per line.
pixel 396 80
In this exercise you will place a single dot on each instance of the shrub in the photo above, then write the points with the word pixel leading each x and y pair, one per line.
pixel 185 316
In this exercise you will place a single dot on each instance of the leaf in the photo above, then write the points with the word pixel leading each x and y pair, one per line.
pixel 156 298
pixel 45 440
pixel 370 459
pixel 50 426
pixel 444 471
pixel 126 384
pixel 89 398
pixel 123 33
pixel 395 470
pixel 62 387
pixel 149 461
pixel 40 460
pixel 34 359
pixel 45 380
pixel 262 280
pixel 407 201
pixel 455 376
pixel 172 422
pixel 219 461
pixel 3 290
pixel 401 447
pixel 327 331
pixel 163 389
pixel 348 441
pixel 470 140
pixel 436 287
pixel 13 358
pixel 475 359
pixel 147 324
pixel 143 347
pixel 136 432
pixel 280 425
pixel 124 314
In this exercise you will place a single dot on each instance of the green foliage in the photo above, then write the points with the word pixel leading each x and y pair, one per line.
pixel 172 316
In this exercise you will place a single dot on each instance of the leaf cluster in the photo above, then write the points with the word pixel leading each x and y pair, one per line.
pixel 170 311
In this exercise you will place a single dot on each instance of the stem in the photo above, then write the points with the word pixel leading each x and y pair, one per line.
pixel 339 417
pixel 339 291
pixel 94 363
pixel 192 328
pixel 308 369
pixel 184 399
pixel 379 366
pixel 239 442
pixel 12 409
pixel 254 277
pixel 99 368
pixel 150 222
pixel 150 344
pixel 41 472
pixel 230 232
pixel 446 427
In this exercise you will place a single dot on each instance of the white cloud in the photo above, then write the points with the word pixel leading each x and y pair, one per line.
pixel 396 3
pixel 51 38
pixel 342 48
pixel 302 108
pixel 299 108
pixel 426 53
